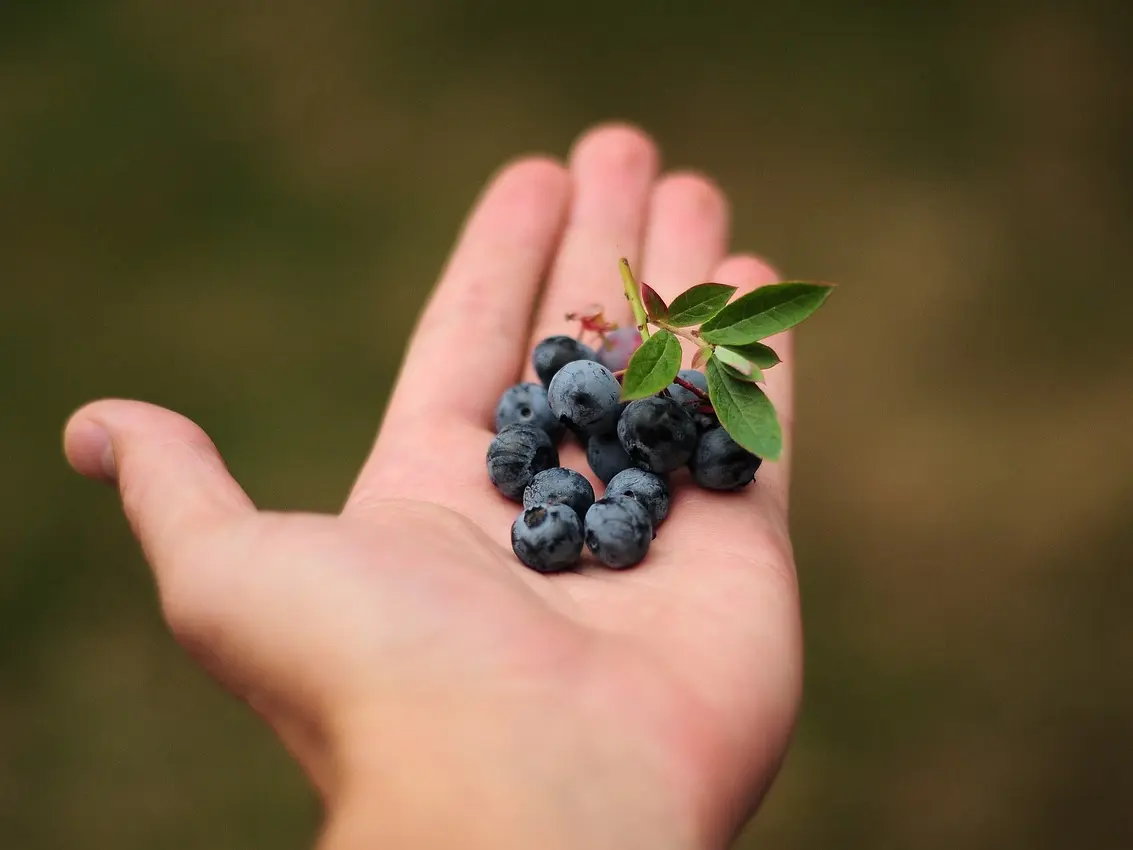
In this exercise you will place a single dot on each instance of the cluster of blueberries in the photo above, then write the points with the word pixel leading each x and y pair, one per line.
pixel 631 447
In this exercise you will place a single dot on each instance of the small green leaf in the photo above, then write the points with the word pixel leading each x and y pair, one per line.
pixel 701 357
pixel 698 304
pixel 745 412
pixel 740 375
pixel 655 307
pixel 737 361
pixel 766 311
pixel 760 355
pixel 738 367
pixel 652 367
pixel 756 377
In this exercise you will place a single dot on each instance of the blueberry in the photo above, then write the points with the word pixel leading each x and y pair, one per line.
pixel 618 531
pixel 516 455
pixel 618 347
pixel 705 421
pixel 606 456
pixel 585 396
pixel 526 404
pixel 720 463
pixel 547 538
pixel 690 401
pixel 695 377
pixel 560 486
pixel 649 489
pixel 554 352
pixel 657 434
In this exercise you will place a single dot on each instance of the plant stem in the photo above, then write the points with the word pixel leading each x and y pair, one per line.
pixel 687 334
pixel 633 296
pixel 692 388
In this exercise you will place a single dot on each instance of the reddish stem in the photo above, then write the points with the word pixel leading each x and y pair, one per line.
pixel 692 388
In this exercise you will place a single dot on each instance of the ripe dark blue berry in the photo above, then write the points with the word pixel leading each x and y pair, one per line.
pixel 554 352
pixel 560 486
pixel 720 463
pixel 618 348
pixel 649 489
pixel 526 404
pixel 695 377
pixel 547 538
pixel 516 455
pixel 657 434
pixel 689 400
pixel 606 456
pixel 618 531
pixel 585 396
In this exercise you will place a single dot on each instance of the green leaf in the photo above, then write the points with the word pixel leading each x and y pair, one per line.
pixel 698 304
pixel 756 353
pixel 652 367
pixel 753 378
pixel 737 366
pixel 766 311
pixel 655 307
pixel 739 363
pixel 745 412
pixel 740 376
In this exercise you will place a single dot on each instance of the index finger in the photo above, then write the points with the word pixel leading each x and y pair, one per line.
pixel 469 343
pixel 470 339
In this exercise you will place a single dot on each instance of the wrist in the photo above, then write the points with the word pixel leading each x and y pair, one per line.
pixel 428 782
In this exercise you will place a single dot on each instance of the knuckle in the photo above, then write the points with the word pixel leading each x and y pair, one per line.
pixel 472 300
pixel 195 592
pixel 475 300
pixel 188 604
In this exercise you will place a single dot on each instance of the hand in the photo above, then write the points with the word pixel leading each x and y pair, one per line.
pixel 437 692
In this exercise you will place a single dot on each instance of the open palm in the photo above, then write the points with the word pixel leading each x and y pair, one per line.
pixel 646 707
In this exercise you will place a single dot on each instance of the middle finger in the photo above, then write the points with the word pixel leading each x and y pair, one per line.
pixel 612 168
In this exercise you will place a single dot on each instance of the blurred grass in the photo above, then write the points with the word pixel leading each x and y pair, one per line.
pixel 235 211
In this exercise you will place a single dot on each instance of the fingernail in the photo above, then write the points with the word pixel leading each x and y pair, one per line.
pixel 89 449
pixel 109 467
pixel 92 442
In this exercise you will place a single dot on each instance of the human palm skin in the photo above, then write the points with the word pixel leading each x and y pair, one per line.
pixel 437 692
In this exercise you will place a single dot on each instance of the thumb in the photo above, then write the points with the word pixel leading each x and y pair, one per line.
pixel 180 499
pixel 174 485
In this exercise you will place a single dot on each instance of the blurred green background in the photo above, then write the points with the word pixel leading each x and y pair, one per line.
pixel 235 208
